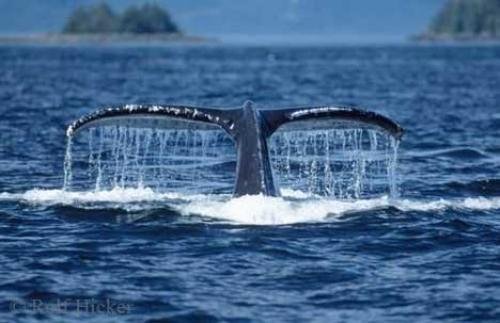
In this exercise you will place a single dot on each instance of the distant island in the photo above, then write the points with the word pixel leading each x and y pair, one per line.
pixel 100 19
pixel 100 24
pixel 465 20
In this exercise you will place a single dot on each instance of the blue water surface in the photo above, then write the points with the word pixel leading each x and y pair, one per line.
pixel 432 255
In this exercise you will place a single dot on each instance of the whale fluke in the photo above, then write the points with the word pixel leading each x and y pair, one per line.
pixel 250 129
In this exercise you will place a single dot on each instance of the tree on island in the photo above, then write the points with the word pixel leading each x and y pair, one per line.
pixel 94 19
pixel 148 19
pixel 100 18
pixel 466 19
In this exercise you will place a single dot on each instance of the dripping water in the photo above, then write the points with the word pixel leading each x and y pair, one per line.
pixel 68 175
pixel 338 163
pixel 180 160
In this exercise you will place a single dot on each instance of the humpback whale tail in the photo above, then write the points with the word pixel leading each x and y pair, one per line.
pixel 248 127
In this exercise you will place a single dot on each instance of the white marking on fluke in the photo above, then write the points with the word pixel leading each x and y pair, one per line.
pixel 303 112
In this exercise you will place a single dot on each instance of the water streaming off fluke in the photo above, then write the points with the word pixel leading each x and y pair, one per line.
pixel 341 163
pixel 183 160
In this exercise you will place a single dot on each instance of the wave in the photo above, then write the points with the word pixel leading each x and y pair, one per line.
pixel 293 207
pixel 456 153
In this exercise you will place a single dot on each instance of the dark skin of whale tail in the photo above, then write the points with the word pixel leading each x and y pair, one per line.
pixel 249 128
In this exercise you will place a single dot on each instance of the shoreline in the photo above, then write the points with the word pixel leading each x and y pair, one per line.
pixel 454 39
pixel 59 39
pixel 93 39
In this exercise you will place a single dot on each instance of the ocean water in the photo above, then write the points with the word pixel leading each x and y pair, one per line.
pixel 428 252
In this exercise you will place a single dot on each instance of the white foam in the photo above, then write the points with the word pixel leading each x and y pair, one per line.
pixel 482 203
pixel 117 195
pixel 470 203
pixel 263 210
pixel 294 207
